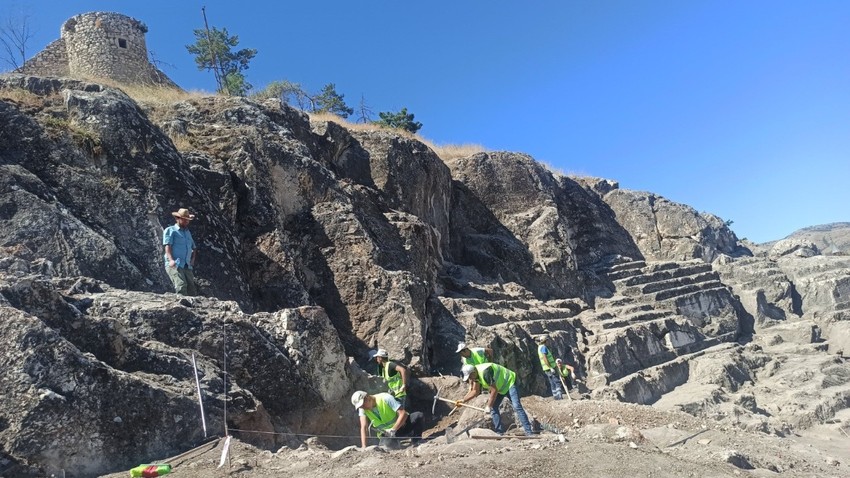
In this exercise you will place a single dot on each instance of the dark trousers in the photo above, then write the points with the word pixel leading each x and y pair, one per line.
pixel 412 428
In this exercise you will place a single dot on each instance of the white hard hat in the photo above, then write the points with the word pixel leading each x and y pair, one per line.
pixel 557 360
pixel 460 347
pixel 378 353
pixel 542 338
pixel 358 398
pixel 466 370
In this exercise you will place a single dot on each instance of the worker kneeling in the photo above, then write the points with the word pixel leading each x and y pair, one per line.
pixel 387 416
pixel 499 382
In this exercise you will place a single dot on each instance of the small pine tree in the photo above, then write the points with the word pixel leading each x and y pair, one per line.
pixel 401 119
pixel 215 52
pixel 329 101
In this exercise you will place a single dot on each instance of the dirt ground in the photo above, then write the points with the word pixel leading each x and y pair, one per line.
pixel 596 439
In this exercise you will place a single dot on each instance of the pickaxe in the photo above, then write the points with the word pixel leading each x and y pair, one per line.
pixel 455 402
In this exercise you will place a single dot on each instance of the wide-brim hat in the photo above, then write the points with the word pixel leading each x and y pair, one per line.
pixel 183 213
pixel 460 347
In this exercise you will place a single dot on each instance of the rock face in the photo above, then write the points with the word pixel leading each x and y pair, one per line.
pixel 664 230
pixel 318 243
pixel 108 373
pixel 830 239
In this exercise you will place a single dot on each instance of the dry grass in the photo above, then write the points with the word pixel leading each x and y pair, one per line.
pixel 160 95
pixel 449 152
pixel 23 97
pixel 151 94
pixel 181 142
pixel 19 95
pixel 552 169
pixel 446 152
pixel 348 124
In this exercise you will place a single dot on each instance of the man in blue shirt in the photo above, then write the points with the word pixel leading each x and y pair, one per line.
pixel 180 253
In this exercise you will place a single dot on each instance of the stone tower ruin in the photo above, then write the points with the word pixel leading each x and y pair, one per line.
pixel 99 45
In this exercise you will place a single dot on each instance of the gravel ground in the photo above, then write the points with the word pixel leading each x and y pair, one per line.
pixel 599 439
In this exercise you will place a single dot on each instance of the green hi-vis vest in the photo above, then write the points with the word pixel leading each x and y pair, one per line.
pixel 383 416
pixel 547 361
pixel 565 372
pixel 394 382
pixel 503 377
pixel 476 356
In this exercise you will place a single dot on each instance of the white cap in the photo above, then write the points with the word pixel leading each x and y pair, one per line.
pixel 557 360
pixel 466 370
pixel 378 353
pixel 358 398
pixel 542 338
pixel 460 347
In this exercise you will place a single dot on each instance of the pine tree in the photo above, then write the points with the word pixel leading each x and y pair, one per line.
pixel 215 52
pixel 329 101
pixel 401 119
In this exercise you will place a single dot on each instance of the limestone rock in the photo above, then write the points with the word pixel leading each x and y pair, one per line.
pixel 664 230
pixel 795 247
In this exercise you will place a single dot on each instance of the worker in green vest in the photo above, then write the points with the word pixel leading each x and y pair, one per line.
pixel 568 372
pixel 474 355
pixel 499 382
pixel 547 362
pixel 394 375
pixel 386 415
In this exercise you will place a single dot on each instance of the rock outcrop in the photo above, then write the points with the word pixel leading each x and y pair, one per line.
pixel 319 242
pixel 664 230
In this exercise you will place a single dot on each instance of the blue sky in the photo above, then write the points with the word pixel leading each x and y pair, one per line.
pixel 741 109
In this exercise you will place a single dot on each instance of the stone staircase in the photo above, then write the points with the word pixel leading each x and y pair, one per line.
pixel 660 314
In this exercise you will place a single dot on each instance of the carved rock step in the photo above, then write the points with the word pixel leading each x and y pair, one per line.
pixel 648 385
pixel 770 390
pixel 464 304
pixel 690 289
pixel 621 316
pixel 618 353
pixel 625 309
pixel 632 319
pixel 671 284
pixel 621 271
pixel 526 313
pixel 663 274
pixel 534 327
pixel 615 301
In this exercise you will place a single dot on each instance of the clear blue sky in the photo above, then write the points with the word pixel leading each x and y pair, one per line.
pixel 741 109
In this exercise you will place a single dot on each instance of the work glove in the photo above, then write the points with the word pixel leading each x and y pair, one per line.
pixel 488 409
pixel 458 403
pixel 390 433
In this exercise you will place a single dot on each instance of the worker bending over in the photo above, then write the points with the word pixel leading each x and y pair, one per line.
pixel 388 416
pixel 499 382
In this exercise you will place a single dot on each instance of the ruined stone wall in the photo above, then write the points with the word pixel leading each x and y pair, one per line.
pixel 99 45
pixel 108 45
pixel 52 61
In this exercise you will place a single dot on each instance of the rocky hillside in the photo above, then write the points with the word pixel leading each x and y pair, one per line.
pixel 829 238
pixel 319 242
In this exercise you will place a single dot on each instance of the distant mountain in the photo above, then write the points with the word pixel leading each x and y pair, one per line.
pixel 828 237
